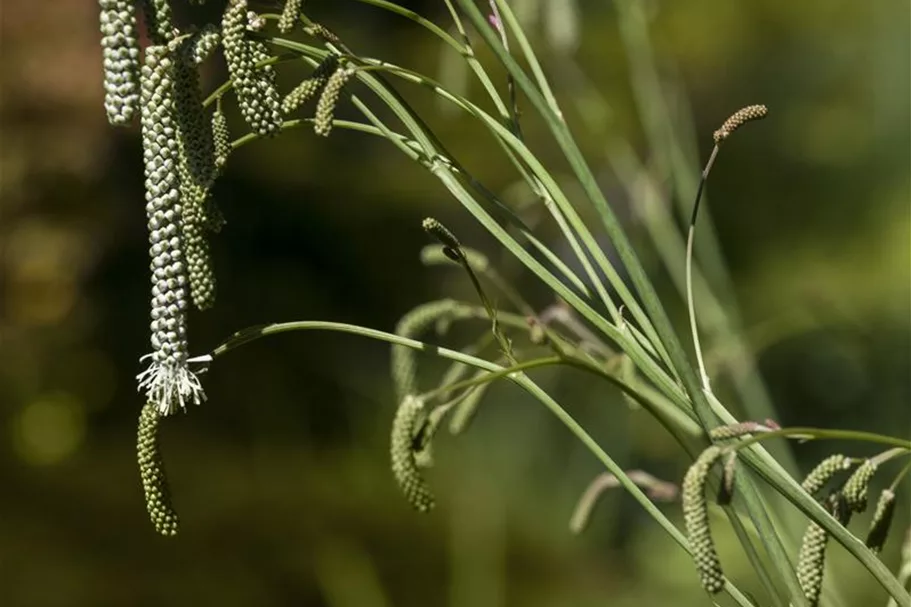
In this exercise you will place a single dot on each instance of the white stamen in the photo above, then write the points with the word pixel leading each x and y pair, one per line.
pixel 170 386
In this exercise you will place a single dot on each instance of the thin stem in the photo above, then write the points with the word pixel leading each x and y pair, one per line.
pixel 691 308
pixel 510 82
pixel 528 365
pixel 690 304
pixel 809 433
pixel 901 475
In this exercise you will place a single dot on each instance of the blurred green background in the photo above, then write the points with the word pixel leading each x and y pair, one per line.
pixel 282 479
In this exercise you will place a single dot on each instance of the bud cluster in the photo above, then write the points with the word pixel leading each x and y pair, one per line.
pixel 120 47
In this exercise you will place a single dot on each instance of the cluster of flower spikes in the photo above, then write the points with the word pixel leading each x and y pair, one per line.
pixel 311 85
pixel 168 381
pixel 120 44
pixel 841 504
pixel 811 558
pixel 254 86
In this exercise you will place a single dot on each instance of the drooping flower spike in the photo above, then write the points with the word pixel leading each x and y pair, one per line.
pixel 168 382
pixel 120 44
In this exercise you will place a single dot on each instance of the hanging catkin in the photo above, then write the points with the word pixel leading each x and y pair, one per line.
pixel 120 48
pixel 168 382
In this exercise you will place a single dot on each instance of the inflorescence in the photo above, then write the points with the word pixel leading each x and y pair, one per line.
pixel 184 151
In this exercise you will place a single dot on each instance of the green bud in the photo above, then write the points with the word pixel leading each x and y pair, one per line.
pixel 696 519
pixel 311 85
pixel 159 21
pixel 823 472
pixel 882 520
pixel 152 472
pixel 411 325
pixel 405 430
pixel 290 15
pixel 325 107
pixel 855 489
pixel 120 46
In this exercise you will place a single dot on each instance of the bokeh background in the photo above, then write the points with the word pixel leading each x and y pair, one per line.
pixel 282 478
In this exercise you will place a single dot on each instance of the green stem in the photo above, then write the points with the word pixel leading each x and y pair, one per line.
pixel 824 434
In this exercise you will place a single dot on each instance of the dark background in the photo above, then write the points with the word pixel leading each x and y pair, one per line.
pixel 282 478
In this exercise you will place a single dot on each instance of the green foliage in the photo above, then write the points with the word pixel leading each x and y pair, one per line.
pixel 612 308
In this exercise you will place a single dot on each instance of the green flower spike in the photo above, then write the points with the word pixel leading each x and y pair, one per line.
pixel 452 248
pixel 811 561
pixel 412 324
pixel 120 45
pixel 882 520
pixel 221 137
pixel 159 21
pixel 739 429
pixel 151 470
pixel 168 382
pixel 855 489
pixel 696 518
pixel 322 32
pixel 738 119
pixel 204 43
pixel 198 170
pixel 254 86
pixel 311 85
pixel 405 428
pixel 823 472
pixel 290 15
pixel 325 107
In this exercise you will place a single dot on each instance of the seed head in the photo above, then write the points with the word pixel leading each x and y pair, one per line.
pixel 204 43
pixel 152 473
pixel 823 472
pixel 451 246
pixel 811 562
pixel 197 153
pixel 310 86
pixel 198 169
pixel 737 430
pixel 740 117
pixel 319 31
pixel 412 324
pixel 325 107
pixel 120 49
pixel 855 489
pixel 405 427
pixel 167 381
pixel 159 21
pixel 882 520
pixel 696 519
pixel 254 85
pixel 221 138
pixel 290 15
